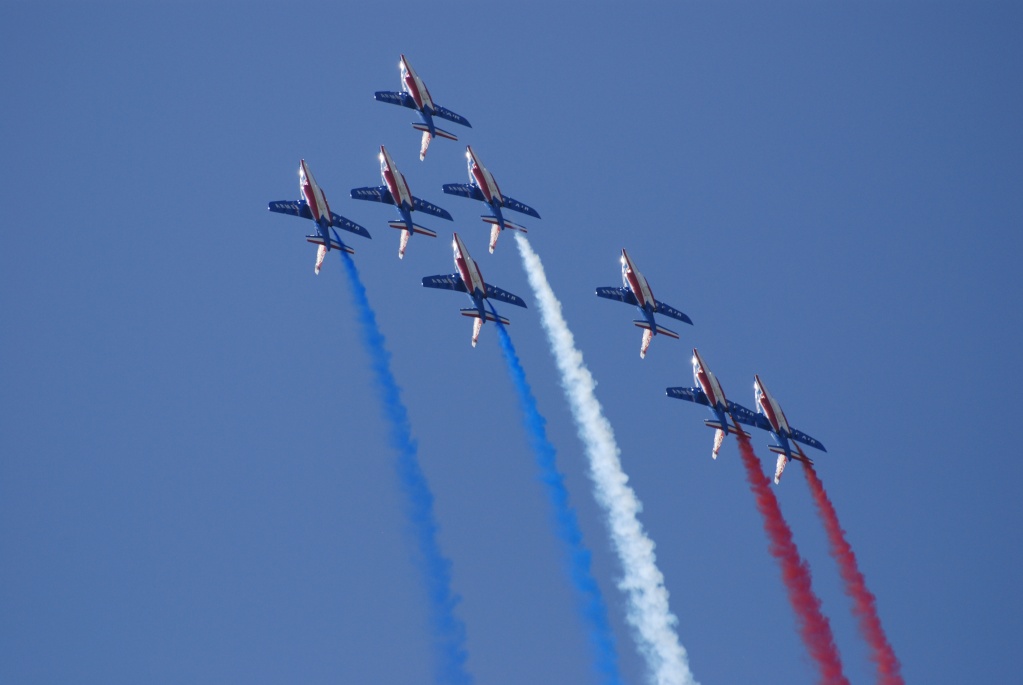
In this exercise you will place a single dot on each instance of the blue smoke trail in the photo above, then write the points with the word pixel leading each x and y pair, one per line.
pixel 449 631
pixel 591 603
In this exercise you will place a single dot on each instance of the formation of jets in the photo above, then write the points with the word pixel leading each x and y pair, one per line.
pixel 728 416
pixel 768 417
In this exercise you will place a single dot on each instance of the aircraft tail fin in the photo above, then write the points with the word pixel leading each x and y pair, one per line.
pixel 415 227
pixel 661 330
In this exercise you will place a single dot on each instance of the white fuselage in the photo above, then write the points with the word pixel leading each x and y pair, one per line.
pixel 636 282
pixel 414 86
pixel 468 269
pixel 313 194
pixel 770 408
pixel 708 382
pixel 482 178
pixel 394 180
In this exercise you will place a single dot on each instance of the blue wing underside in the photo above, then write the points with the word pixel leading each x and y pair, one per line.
pixel 402 99
pixel 742 415
pixel 739 412
pixel 301 209
pixel 520 207
pixel 445 282
pixel 405 100
pixel 373 194
pixel 620 294
pixel 465 190
pixel 668 310
pixel 802 437
pixel 445 113
pixel 473 192
pixel 495 293
pixel 429 208
pixel 690 395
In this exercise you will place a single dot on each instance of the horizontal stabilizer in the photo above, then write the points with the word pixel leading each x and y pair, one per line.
pixel 493 220
pixel 338 221
pixel 516 206
pixel 668 310
pixel 390 97
pixel 416 228
pixel 620 294
pixel 428 208
pixel 292 207
pixel 730 428
pixel 778 449
pixel 495 293
pixel 660 330
pixel 373 194
pixel 465 190
pixel 490 316
pixel 445 282
pixel 334 244
pixel 436 131
pixel 689 394
pixel 445 113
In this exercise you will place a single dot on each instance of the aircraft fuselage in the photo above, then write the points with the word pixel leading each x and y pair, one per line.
pixel 637 283
pixel 414 86
pixel 316 200
pixel 469 270
pixel 769 407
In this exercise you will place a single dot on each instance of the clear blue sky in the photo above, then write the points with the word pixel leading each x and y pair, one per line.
pixel 195 483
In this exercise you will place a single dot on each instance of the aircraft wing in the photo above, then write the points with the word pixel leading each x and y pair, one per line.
pixel 452 282
pixel 341 222
pixel 495 293
pixel 690 395
pixel 620 294
pixel 374 194
pixel 799 436
pixel 403 99
pixel 668 310
pixel 465 190
pixel 750 418
pixel 514 205
pixel 424 206
pixel 445 113
pixel 292 207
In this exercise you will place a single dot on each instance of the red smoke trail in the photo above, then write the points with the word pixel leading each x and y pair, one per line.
pixel 864 606
pixel 813 626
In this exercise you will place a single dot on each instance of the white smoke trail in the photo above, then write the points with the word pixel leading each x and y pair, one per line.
pixel 642 581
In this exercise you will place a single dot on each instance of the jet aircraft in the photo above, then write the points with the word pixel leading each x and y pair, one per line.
pixel 483 187
pixel 313 205
pixel 414 95
pixel 637 293
pixel 709 393
pixel 469 280
pixel 771 418
pixel 768 416
pixel 395 191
